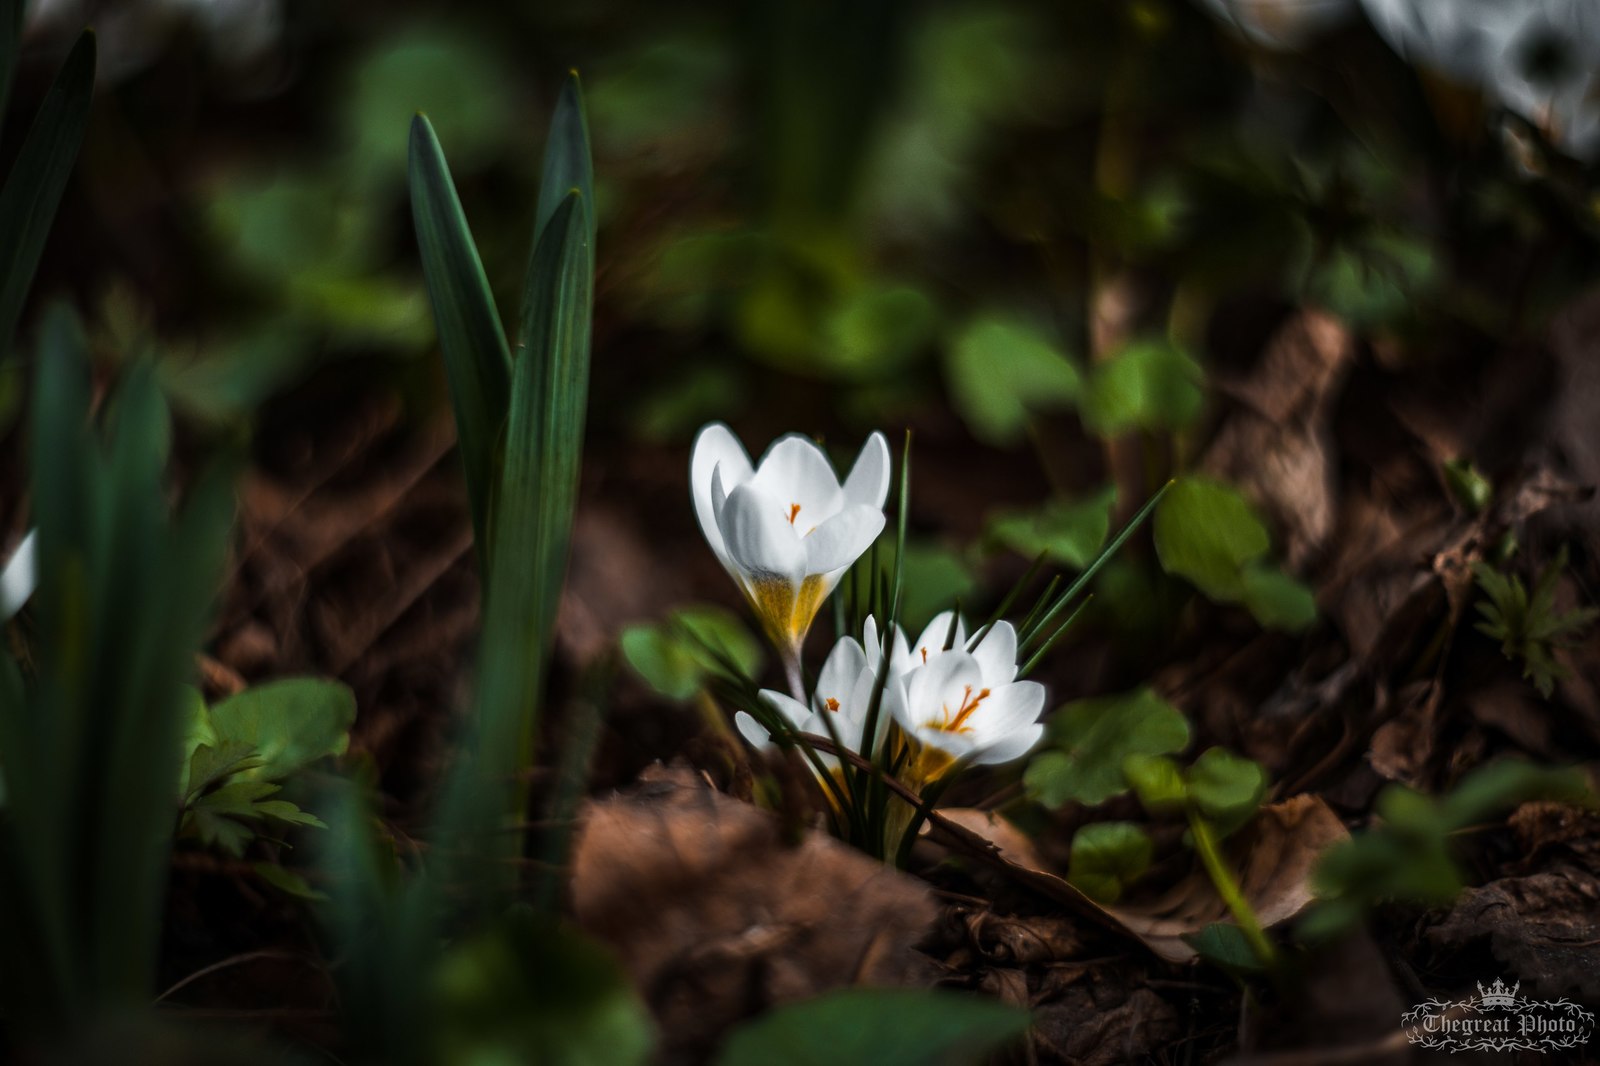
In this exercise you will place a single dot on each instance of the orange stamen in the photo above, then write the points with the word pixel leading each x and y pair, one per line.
pixel 794 510
pixel 969 704
pixel 833 704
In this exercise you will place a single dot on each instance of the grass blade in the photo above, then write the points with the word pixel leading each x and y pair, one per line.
pixel 473 342
pixel 1078 583
pixel 33 189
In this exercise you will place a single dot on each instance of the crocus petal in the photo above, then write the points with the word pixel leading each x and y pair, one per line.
pixel 759 537
pixel 796 473
pixel 997 655
pixel 845 663
pixel 1007 710
pixel 938 690
pixel 752 730
pixel 842 539
pixel 868 483
pixel 794 712
pixel 891 706
pixel 933 637
pixel 1010 747
pixel 899 652
pixel 20 576
pixel 714 446
pixel 955 745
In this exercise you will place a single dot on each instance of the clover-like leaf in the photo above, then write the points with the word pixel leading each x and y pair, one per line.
pixel 1000 370
pixel 1092 739
pixel 1227 788
pixel 1148 385
pixel 1277 600
pixel 677 656
pixel 1158 782
pixel 1107 857
pixel 1071 531
pixel 1206 532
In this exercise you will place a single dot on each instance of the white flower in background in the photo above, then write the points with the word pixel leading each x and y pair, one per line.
pixel 843 698
pixel 785 529
pixel 961 704
pixel 1534 56
pixel 19 577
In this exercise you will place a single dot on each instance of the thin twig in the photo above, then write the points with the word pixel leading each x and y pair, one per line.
pixel 237 960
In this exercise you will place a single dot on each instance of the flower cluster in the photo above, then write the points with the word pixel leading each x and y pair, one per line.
pixel 950 700
pixel 786 530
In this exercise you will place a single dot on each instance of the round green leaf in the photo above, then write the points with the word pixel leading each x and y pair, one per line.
pixel 1107 857
pixel 1157 781
pixel 1206 532
pixel 883 1026
pixel 1092 740
pixel 674 657
pixel 1226 787
pixel 1148 385
pixel 999 370
pixel 1071 532
pixel 290 724
pixel 1277 600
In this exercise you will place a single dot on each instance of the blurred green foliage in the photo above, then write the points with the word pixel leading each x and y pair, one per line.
pixel 887 1026
pixel 1107 857
pixel 1088 742
pixel 1409 853
pixel 678 656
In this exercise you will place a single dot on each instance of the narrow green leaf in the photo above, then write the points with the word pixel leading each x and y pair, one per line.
pixel 532 516
pixel 1059 604
pixel 538 490
pixel 567 161
pixel 33 189
pixel 476 358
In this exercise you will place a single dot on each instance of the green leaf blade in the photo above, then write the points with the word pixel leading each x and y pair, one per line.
pixel 476 357
pixel 568 163
pixel 33 189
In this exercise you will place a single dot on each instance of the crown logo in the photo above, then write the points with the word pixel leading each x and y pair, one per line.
pixel 1497 994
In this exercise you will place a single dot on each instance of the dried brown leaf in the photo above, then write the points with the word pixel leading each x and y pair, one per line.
pixel 717 916
pixel 1275 855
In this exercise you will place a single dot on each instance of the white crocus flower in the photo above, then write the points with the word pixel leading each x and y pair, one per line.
pixel 786 529
pixel 842 700
pixel 961 704
pixel 19 577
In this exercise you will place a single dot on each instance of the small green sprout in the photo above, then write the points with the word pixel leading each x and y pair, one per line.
pixel 1529 627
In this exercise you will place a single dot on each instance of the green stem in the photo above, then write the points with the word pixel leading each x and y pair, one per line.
pixel 1205 842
